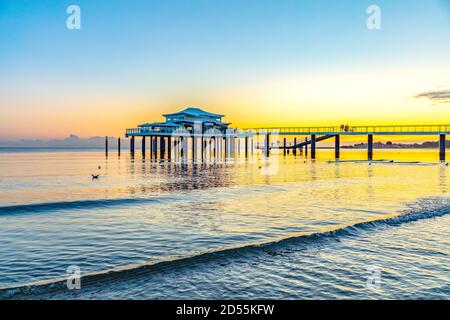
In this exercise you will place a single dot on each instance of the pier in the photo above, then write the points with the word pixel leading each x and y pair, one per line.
pixel 209 137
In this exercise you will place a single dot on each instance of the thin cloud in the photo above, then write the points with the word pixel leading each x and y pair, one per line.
pixel 436 96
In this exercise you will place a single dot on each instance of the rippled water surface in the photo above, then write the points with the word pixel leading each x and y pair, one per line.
pixel 284 228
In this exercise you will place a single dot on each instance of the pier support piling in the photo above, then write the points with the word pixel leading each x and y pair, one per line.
pixel 246 147
pixel 169 147
pixel 143 146
pixel 202 148
pixel 442 147
pixel 337 146
pixel 267 144
pixel 182 148
pixel 132 145
pixel 313 146
pixel 306 147
pixel 118 146
pixel 162 147
pixel 106 145
pixel 155 146
pixel 150 146
pixel 294 151
pixel 284 146
pixel 209 142
pixel 370 147
pixel 225 147
pixel 194 141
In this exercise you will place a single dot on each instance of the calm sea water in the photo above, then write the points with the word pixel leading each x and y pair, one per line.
pixel 287 228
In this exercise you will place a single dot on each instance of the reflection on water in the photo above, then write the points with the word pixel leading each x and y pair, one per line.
pixel 443 179
pixel 162 209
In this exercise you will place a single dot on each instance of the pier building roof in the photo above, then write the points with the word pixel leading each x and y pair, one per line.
pixel 187 118
pixel 193 112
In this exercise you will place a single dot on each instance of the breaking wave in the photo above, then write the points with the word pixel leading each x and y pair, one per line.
pixel 78 205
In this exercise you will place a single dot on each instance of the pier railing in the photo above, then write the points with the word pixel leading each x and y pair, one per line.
pixel 299 130
pixel 402 129
pixel 144 130
pixel 345 130
pixel 390 129
pixel 182 131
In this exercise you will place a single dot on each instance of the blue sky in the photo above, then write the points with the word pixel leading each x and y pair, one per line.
pixel 149 55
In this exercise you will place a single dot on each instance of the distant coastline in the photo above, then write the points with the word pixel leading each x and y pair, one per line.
pixel 71 142
pixel 49 149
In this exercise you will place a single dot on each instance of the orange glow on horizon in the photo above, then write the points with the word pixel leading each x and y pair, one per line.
pixel 360 97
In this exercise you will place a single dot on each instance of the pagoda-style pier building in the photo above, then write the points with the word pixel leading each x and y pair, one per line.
pixel 209 135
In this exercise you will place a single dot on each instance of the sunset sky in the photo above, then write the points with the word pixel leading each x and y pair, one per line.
pixel 260 62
